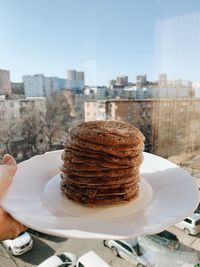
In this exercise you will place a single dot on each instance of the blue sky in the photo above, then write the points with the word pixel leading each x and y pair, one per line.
pixel 104 38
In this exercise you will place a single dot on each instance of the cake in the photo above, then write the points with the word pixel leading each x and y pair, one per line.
pixel 101 163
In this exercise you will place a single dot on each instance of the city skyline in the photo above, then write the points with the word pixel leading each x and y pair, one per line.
pixel 131 81
pixel 104 39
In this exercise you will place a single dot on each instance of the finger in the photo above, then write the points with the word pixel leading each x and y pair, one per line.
pixel 10 164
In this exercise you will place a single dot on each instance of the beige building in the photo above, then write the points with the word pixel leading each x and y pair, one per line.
pixel 169 126
pixel 5 85
pixel 16 108
pixel 95 110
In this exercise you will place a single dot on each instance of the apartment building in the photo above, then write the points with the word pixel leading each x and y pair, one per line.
pixel 38 85
pixel 75 80
pixel 5 85
pixel 122 80
pixel 16 108
pixel 95 110
pixel 170 126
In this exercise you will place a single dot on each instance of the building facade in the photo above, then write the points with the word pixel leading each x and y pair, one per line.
pixel 16 108
pixel 38 85
pixel 95 110
pixel 75 80
pixel 122 80
pixel 170 126
pixel 5 84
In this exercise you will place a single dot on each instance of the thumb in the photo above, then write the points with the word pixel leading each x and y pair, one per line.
pixel 7 171
pixel 9 164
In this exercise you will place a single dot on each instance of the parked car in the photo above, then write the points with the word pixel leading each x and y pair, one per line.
pixel 197 209
pixel 191 225
pixel 166 239
pixel 19 245
pixel 66 259
pixel 91 259
pixel 131 251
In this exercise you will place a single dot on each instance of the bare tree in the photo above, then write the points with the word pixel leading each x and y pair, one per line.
pixel 57 119
pixel 9 135
pixel 36 131
pixel 32 125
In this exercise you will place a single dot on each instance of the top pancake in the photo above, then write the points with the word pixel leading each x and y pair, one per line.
pixel 113 133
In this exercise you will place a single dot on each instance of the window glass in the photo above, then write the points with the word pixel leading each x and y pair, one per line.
pixel 188 220
pixel 66 62
pixel 124 245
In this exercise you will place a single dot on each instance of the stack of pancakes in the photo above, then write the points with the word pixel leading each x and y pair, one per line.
pixel 101 163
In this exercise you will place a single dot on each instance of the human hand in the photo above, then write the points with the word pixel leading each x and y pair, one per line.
pixel 9 227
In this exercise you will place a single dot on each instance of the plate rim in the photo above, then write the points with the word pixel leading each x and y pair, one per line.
pixel 77 233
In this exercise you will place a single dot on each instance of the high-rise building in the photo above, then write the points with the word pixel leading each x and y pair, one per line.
pixel 71 74
pixel 80 75
pixel 122 80
pixel 39 85
pixel 5 85
pixel 75 80
pixel 162 82
pixel 141 80
pixel 36 85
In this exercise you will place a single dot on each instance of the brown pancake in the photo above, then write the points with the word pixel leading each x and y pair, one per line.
pixel 99 200
pixel 109 173
pixel 79 156
pixel 100 180
pixel 99 184
pixel 123 151
pixel 114 133
pixel 93 166
pixel 94 192
pixel 101 163
pixel 110 162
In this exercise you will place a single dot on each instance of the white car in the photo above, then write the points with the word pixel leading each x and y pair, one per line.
pixel 66 259
pixel 19 245
pixel 191 224
pixel 91 259
pixel 131 251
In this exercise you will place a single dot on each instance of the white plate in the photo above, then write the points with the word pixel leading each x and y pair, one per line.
pixel 167 195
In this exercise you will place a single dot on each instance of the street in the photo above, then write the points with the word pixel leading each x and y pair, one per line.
pixel 46 246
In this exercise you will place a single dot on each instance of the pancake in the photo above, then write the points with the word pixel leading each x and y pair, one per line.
pixel 112 133
pixel 91 157
pixel 120 151
pixel 100 180
pixel 100 200
pixel 110 162
pixel 99 173
pixel 101 163
pixel 105 182
pixel 93 166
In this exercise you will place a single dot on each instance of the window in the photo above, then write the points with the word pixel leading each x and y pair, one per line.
pixel 124 245
pixel 137 250
pixel 188 220
pixel 134 61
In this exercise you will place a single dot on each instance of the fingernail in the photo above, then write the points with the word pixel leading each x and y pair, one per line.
pixel 8 159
